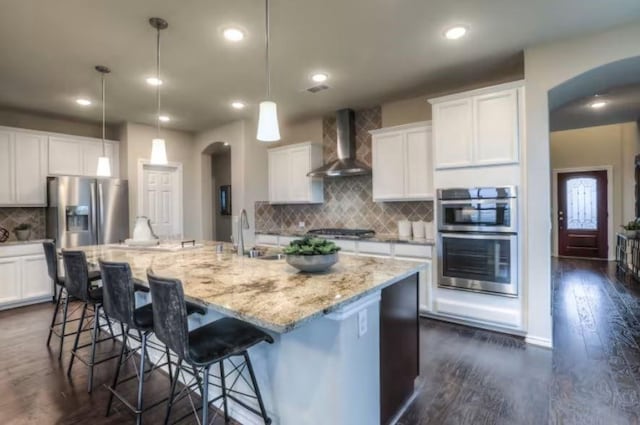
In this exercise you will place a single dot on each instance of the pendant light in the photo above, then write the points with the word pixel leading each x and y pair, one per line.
pixel 268 128
pixel 158 147
pixel 104 164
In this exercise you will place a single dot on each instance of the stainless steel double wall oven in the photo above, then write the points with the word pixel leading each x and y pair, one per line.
pixel 478 239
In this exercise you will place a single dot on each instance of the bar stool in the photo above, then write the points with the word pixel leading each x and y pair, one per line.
pixel 203 347
pixel 119 303
pixel 78 286
pixel 60 289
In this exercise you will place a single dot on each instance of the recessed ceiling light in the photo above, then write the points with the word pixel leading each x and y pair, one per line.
pixel 238 105
pixel 320 77
pixel 456 32
pixel 598 104
pixel 82 101
pixel 233 34
pixel 164 118
pixel 153 81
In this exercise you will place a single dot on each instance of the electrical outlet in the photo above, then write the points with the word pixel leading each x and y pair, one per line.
pixel 362 323
pixel 301 224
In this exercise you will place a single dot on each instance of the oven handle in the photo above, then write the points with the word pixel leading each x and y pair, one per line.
pixel 500 236
pixel 478 201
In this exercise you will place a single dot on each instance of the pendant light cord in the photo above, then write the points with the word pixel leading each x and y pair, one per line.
pixel 158 81
pixel 103 116
pixel 267 67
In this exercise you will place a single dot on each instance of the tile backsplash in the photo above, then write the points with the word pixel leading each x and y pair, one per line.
pixel 11 217
pixel 348 201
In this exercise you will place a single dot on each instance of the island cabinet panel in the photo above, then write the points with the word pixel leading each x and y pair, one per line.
pixel 399 345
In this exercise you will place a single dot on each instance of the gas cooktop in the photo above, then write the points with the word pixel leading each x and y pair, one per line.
pixel 343 233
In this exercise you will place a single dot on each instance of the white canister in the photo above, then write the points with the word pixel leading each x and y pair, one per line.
pixel 418 229
pixel 428 230
pixel 404 229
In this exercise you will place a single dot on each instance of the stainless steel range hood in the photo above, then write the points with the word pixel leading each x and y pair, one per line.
pixel 346 164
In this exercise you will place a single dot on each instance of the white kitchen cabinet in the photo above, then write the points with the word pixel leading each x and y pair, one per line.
pixel 31 168
pixel 35 281
pixel 76 156
pixel 402 163
pixel 288 180
pixel 23 275
pixel 23 168
pixel 452 133
pixel 10 282
pixel 7 187
pixel 478 128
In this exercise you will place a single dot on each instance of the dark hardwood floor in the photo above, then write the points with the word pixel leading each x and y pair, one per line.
pixel 591 377
pixel 470 376
pixel 34 388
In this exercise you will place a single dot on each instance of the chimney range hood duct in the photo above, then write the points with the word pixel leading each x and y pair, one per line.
pixel 346 164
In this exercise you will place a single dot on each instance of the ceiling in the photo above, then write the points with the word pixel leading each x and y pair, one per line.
pixel 622 105
pixel 617 84
pixel 373 50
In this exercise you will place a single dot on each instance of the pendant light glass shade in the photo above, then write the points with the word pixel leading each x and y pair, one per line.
pixel 104 167
pixel 158 152
pixel 268 129
pixel 104 163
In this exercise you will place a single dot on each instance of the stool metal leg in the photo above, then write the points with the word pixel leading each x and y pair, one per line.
pixel 118 367
pixel 224 391
pixel 55 315
pixel 256 389
pixel 65 314
pixel 205 397
pixel 94 338
pixel 172 392
pixel 75 344
pixel 143 356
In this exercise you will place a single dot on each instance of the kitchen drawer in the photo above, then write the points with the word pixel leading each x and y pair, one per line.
pixel 376 248
pixel 346 246
pixel 416 251
pixel 267 240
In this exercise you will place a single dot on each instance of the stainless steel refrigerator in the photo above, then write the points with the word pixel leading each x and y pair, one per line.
pixel 87 211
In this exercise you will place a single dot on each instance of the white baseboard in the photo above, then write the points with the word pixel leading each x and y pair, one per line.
pixel 540 342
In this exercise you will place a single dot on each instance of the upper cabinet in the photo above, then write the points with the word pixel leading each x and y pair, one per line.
pixel 23 168
pixel 74 156
pixel 481 127
pixel 288 168
pixel 402 163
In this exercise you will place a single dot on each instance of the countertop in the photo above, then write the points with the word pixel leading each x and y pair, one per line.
pixel 29 242
pixel 267 293
pixel 377 238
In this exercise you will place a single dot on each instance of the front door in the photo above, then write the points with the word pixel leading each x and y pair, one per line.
pixel 582 214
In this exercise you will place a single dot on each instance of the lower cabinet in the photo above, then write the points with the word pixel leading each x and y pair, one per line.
pixel 23 276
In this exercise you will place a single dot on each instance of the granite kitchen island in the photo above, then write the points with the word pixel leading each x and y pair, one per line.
pixel 346 341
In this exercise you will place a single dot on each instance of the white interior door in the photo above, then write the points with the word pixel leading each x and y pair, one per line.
pixel 161 200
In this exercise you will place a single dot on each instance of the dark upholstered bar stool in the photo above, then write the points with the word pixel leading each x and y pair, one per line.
pixel 78 286
pixel 60 290
pixel 136 324
pixel 203 347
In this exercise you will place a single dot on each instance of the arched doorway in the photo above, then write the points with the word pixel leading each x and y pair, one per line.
pixel 218 155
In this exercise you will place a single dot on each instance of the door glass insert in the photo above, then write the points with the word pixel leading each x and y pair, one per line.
pixel 582 203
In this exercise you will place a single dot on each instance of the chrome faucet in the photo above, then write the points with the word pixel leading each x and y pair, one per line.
pixel 243 223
